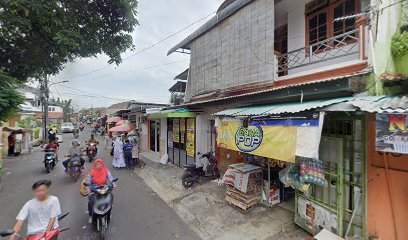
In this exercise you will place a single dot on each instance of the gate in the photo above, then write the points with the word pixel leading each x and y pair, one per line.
pixel 340 206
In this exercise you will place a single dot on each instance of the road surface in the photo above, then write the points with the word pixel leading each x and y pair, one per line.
pixel 138 213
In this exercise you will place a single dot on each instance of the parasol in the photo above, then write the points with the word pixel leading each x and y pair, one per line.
pixel 114 120
pixel 121 122
pixel 127 127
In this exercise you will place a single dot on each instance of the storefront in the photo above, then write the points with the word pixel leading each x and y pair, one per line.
pixel 313 161
pixel 181 134
pixel 177 130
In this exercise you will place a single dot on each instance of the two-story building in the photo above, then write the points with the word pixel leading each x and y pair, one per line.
pixel 264 59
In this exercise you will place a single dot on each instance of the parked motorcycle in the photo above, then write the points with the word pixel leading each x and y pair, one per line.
pixel 74 168
pixel 194 173
pixel 102 208
pixel 81 127
pixel 41 236
pixel 91 151
pixel 50 159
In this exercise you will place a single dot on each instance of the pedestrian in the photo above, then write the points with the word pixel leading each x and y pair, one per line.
pixel 127 150
pixel 118 157
pixel 11 139
pixel 41 212
pixel 106 140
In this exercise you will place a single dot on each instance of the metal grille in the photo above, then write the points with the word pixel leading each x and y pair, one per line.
pixel 343 152
pixel 331 48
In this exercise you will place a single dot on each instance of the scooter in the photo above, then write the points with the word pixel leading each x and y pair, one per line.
pixel 75 133
pixel 102 208
pixel 81 127
pixel 74 168
pixel 193 174
pixel 50 159
pixel 91 151
pixel 41 236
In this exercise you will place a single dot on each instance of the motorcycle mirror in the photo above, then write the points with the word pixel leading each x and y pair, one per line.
pixel 115 180
pixel 62 216
pixel 7 233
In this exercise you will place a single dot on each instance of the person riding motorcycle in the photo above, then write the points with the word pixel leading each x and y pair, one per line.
pixel 53 146
pixel 40 213
pixel 99 176
pixel 74 151
pixel 92 140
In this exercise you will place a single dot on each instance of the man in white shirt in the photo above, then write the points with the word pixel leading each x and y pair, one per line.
pixel 41 212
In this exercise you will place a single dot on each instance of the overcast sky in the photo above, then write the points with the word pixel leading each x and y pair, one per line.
pixel 158 19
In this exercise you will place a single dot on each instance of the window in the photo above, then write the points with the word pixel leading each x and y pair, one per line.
pixel 320 15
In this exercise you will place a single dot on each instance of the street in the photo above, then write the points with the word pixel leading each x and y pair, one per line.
pixel 138 213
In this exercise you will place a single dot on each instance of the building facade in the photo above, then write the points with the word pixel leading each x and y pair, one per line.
pixel 282 58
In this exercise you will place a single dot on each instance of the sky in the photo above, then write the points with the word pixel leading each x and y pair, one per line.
pixel 140 77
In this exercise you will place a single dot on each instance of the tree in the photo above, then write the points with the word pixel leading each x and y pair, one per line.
pixel 10 98
pixel 37 37
pixel 66 107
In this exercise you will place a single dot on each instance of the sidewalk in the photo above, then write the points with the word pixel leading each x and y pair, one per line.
pixel 203 208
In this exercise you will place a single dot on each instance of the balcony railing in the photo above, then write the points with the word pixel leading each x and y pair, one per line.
pixel 336 47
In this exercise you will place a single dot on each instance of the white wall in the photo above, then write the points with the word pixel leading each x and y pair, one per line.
pixel 163 135
pixel 53 108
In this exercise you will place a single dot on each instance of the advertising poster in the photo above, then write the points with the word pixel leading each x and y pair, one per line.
pixel 273 142
pixel 182 129
pixel 176 130
pixel 190 147
pixel 392 133
pixel 278 137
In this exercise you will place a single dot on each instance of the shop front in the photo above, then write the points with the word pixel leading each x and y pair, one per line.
pixel 178 132
pixel 312 161
pixel 181 138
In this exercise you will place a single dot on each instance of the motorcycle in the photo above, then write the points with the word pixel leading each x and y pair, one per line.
pixel 81 127
pixel 91 151
pixel 41 236
pixel 74 168
pixel 102 208
pixel 50 159
pixel 193 173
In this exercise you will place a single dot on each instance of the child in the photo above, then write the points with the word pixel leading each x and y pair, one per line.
pixel 127 150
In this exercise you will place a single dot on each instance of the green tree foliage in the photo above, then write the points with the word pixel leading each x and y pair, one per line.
pixel 66 107
pixel 37 37
pixel 10 98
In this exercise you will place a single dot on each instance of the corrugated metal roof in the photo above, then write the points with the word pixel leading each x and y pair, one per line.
pixel 363 72
pixel 371 104
pixel 280 108
pixel 383 104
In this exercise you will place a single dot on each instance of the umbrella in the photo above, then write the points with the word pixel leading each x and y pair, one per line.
pixel 114 120
pixel 121 122
pixel 127 127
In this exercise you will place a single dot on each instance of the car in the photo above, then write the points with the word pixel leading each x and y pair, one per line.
pixel 67 127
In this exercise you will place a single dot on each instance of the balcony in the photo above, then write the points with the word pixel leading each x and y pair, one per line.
pixel 336 51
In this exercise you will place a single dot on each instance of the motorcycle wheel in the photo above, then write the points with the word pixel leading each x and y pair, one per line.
pixel 48 168
pixel 187 181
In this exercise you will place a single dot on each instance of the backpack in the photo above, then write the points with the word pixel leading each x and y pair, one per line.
pixel 83 188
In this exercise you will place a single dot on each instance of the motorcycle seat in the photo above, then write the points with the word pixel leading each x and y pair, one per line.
pixel 189 166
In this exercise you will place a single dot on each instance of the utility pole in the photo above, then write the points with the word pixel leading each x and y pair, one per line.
pixel 45 95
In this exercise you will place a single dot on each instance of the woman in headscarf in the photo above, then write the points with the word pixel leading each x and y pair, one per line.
pixel 99 176
pixel 118 156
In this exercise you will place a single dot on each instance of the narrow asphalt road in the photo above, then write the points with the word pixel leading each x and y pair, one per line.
pixel 138 213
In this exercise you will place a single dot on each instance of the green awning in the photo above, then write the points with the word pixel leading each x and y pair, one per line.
pixel 172 113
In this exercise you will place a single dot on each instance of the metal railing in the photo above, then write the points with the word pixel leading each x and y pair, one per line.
pixel 339 46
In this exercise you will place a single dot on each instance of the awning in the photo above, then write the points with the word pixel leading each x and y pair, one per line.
pixel 363 103
pixel 381 104
pixel 172 113
pixel 14 129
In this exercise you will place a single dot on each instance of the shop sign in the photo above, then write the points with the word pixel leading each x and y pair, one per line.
pixel 190 146
pixel 273 142
pixel 248 139
pixel 392 133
